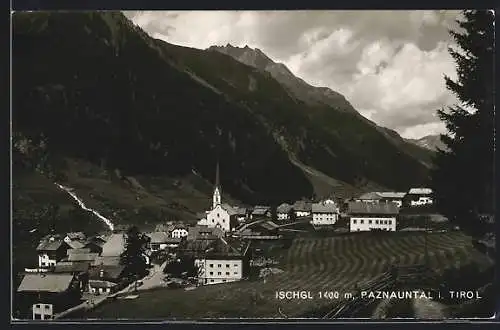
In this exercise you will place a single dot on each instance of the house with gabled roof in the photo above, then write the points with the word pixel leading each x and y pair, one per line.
pixel 324 213
pixel 376 216
pixel 51 250
pixel 43 295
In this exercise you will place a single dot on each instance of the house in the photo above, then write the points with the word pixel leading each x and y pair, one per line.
pixel 105 279
pixel 324 213
pixel 179 231
pixel 204 232
pixel 377 197
pixel 224 261
pixel 75 236
pixel 94 244
pixel 369 197
pixel 419 197
pixel 51 250
pixel 372 216
pixel 158 240
pixel 260 211
pixel 81 255
pixel 283 211
pixel 302 209
pixel 393 197
pixel 79 269
pixel 173 242
pixel 114 246
pixel 241 213
pixel 43 295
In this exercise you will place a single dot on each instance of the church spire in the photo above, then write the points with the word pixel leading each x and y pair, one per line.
pixel 217 183
pixel 217 191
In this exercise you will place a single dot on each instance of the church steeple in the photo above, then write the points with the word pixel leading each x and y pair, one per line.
pixel 217 190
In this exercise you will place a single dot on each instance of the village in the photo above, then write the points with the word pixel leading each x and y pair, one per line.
pixel 227 244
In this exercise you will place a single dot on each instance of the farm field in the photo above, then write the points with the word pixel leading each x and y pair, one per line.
pixel 335 263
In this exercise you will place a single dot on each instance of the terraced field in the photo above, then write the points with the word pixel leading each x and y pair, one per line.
pixel 316 264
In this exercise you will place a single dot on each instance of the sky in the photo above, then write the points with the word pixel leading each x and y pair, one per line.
pixel 390 65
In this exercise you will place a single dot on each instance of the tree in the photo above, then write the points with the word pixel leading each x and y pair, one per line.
pixel 462 177
pixel 133 257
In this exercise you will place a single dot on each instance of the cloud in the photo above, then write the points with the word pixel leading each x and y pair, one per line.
pixel 388 64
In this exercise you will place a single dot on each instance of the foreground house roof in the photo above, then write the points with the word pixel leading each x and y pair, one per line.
pixel 368 208
pixel 324 208
pixel 46 282
pixel 50 245
pixel 71 267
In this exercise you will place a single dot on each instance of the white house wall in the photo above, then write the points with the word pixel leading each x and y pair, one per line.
pixel 219 217
pixel 369 223
pixel 219 270
pixel 324 218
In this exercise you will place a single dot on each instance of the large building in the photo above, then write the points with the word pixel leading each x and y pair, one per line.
pixel 222 262
pixel 221 215
pixel 372 216
pixel 324 213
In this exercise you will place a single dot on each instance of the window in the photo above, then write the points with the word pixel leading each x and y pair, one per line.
pixel 227 273
pixel 223 220
pixel 219 265
pixel 37 316
pixel 218 215
pixel 47 306
pixel 211 273
pixel 219 273
pixel 223 280
pixel 235 273
pixel 211 281
pixel 38 306
pixel 227 265
pixel 235 265
pixel 211 265
pixel 370 222
pixel 376 222
pixel 212 220
pixel 361 221
pixel 390 222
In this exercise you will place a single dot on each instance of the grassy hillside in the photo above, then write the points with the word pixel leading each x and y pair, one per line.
pixel 314 264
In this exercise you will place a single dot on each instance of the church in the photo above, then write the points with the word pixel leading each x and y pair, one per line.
pixel 220 215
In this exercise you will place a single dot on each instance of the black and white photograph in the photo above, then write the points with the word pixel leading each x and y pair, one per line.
pixel 214 165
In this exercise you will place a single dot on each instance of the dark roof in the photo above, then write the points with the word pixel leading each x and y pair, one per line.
pixel 302 206
pixel 71 267
pixel 82 256
pixel 324 208
pixel 45 282
pixel 368 208
pixel 370 196
pixel 76 235
pixel 78 251
pixel 48 245
pixel 101 284
pixel 107 261
pixel 200 231
pixel 173 240
pixel 110 272
pixel 75 244
pixel 284 208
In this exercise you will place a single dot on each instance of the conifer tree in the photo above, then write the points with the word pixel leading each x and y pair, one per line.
pixel 462 178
